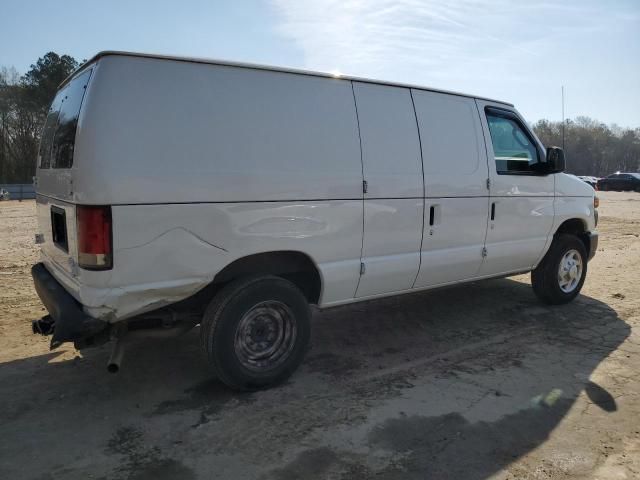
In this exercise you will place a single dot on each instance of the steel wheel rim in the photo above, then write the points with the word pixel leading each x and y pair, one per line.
pixel 265 336
pixel 570 271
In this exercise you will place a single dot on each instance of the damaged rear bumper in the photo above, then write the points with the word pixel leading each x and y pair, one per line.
pixel 66 322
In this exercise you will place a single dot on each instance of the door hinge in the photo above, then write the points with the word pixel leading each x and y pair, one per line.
pixel 365 186
pixel 488 183
pixel 362 268
pixel 484 252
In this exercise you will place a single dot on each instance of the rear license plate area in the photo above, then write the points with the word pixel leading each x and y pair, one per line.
pixel 59 228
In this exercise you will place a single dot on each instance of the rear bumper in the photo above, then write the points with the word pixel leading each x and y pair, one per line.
pixel 68 321
pixel 593 244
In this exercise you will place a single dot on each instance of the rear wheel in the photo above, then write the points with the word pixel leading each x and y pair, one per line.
pixel 559 277
pixel 255 332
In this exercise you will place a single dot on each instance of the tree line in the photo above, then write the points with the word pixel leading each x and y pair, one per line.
pixel 24 103
pixel 591 147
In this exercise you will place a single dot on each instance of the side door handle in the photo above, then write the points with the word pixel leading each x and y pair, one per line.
pixel 434 218
pixel 493 211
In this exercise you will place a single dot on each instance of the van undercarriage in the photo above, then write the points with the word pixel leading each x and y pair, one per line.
pixel 67 322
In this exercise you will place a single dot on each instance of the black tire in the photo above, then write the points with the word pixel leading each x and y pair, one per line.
pixel 246 314
pixel 545 278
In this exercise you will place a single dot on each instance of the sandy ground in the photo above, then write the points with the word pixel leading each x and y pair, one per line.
pixel 474 382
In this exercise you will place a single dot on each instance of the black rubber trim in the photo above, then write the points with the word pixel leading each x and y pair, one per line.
pixel 71 323
pixel 299 200
pixel 593 244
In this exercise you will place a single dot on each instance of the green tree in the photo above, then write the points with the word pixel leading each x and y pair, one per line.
pixel 44 77
pixel 591 147
pixel 9 79
pixel 24 103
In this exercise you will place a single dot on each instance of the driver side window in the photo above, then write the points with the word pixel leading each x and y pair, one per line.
pixel 514 150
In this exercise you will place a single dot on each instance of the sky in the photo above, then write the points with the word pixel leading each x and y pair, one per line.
pixel 518 51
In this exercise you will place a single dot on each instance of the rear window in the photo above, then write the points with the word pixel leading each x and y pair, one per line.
pixel 59 133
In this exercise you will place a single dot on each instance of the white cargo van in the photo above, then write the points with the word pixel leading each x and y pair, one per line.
pixel 173 192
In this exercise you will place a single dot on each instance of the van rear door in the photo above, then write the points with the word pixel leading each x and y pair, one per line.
pixel 54 175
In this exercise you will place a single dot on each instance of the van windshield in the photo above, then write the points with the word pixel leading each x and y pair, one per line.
pixel 59 132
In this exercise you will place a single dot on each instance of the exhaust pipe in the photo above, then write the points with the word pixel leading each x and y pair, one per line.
pixel 118 336
pixel 113 365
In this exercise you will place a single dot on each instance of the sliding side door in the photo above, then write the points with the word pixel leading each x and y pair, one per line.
pixel 455 173
pixel 393 199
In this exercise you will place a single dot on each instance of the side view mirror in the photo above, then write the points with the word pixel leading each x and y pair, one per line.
pixel 555 160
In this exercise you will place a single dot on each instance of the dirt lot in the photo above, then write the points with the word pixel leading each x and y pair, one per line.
pixel 474 382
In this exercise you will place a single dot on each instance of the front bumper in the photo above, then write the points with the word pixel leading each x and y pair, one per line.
pixel 68 322
pixel 593 244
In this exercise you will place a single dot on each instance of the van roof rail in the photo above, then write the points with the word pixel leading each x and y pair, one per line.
pixel 272 68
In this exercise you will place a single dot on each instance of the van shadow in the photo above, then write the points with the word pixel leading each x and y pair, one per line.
pixel 455 383
pixel 475 376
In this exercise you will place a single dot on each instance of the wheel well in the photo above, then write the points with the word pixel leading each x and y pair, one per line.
pixel 576 227
pixel 296 267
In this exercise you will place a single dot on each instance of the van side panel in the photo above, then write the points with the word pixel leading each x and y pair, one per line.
pixel 455 171
pixel 394 200
pixel 160 131
pixel 204 164
pixel 163 253
pixel 391 156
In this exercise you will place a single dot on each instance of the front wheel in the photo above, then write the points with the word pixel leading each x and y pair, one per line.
pixel 559 277
pixel 255 332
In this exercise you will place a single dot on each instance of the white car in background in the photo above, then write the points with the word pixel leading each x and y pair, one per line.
pixel 593 181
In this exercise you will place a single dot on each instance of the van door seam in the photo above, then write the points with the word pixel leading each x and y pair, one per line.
pixel 424 191
pixel 484 251
pixel 355 104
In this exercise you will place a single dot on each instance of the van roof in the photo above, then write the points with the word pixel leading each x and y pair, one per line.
pixel 106 53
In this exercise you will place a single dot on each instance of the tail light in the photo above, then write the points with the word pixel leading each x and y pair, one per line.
pixel 95 250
